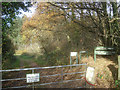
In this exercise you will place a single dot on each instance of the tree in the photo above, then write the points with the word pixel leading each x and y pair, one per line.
pixel 14 31
pixel 43 26
pixel 9 12
pixel 100 17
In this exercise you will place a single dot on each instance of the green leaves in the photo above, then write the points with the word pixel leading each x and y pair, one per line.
pixel 117 84
pixel 10 10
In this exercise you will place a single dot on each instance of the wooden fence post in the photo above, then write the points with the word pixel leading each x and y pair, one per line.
pixel 118 67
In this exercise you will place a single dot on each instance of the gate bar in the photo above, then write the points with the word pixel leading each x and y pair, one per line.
pixel 42 76
pixel 40 68
pixel 43 84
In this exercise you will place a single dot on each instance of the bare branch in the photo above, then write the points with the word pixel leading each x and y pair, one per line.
pixel 114 20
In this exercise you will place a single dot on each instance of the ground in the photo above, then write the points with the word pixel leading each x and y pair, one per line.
pixel 106 71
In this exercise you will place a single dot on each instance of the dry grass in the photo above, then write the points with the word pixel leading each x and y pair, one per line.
pixel 104 67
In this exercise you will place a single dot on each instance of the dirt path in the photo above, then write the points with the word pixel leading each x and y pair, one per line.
pixel 103 66
pixel 27 62
pixel 21 74
pixel 45 72
pixel 23 63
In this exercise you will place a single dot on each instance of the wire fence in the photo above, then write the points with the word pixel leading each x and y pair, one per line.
pixel 66 76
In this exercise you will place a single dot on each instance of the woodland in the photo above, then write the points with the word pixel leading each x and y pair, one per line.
pixel 56 29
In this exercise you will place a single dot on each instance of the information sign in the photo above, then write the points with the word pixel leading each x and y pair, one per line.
pixel 32 77
pixel 73 54
pixel 90 75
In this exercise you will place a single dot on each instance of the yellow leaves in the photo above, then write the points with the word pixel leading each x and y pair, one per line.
pixel 45 18
pixel 58 48
pixel 23 37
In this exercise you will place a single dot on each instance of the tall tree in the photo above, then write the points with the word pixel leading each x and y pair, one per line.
pixel 44 26
pixel 104 22
pixel 9 12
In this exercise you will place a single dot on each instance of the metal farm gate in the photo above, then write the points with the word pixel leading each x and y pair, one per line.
pixel 66 76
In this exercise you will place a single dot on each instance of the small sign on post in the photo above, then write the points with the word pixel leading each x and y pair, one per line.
pixel 33 78
pixel 72 54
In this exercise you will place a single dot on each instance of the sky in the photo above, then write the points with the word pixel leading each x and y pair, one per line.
pixel 28 13
pixel 32 11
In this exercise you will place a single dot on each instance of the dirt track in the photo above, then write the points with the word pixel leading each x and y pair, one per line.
pixel 22 74
pixel 105 67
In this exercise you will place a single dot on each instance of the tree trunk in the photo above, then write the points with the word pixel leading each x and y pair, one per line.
pixel 115 26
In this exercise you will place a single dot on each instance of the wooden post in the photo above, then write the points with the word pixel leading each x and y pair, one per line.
pixel 70 59
pixel 118 67
pixel 77 59
pixel 73 54
pixel 94 55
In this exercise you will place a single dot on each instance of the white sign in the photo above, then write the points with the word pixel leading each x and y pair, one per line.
pixel 90 75
pixel 33 77
pixel 82 51
pixel 104 48
pixel 103 52
pixel 73 54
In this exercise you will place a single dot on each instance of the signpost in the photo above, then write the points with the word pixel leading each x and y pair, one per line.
pixel 73 54
pixel 81 52
pixel 103 51
pixel 33 77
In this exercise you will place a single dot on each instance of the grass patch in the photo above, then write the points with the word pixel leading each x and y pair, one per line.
pixel 26 60
pixel 8 64
pixel 41 60
pixel 52 59
pixel 16 64
pixel 27 56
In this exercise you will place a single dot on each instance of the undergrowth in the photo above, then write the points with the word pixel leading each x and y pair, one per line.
pixel 10 64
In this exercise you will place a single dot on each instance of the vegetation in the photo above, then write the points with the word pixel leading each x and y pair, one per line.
pixel 9 12
pixel 56 29
pixel 102 19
